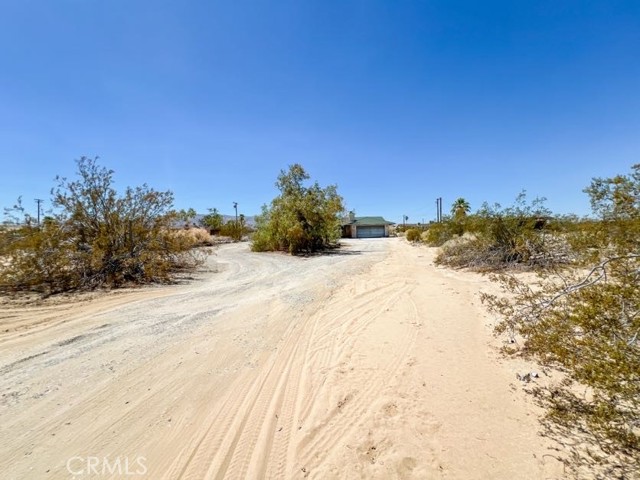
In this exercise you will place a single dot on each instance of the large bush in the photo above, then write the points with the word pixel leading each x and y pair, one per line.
pixel 96 238
pixel 515 236
pixel 300 219
pixel 586 321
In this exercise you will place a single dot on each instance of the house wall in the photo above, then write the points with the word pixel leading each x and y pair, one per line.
pixel 351 231
pixel 348 231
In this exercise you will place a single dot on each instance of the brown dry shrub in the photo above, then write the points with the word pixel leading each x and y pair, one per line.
pixel 194 237
pixel 96 238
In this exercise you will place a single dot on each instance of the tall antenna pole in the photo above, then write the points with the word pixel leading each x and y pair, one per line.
pixel 235 205
pixel 39 201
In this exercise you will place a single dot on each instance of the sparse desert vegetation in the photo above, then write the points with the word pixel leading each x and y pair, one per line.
pixel 581 316
pixel 197 304
pixel 95 238
pixel 579 320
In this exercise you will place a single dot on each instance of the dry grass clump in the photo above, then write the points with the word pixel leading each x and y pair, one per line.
pixel 194 237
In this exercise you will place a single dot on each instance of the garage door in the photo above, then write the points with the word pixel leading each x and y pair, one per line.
pixel 370 232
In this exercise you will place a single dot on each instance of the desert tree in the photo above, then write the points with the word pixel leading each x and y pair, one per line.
pixel 213 221
pixel 302 218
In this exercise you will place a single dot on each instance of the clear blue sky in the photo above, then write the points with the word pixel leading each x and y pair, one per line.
pixel 396 102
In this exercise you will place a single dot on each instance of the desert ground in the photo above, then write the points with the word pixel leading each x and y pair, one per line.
pixel 369 362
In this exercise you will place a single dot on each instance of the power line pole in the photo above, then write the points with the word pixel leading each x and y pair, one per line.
pixel 39 201
pixel 235 205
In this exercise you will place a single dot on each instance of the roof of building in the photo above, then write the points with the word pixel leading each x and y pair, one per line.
pixel 367 221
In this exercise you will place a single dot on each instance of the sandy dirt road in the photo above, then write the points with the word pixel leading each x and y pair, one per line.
pixel 367 363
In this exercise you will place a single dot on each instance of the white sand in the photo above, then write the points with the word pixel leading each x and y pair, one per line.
pixel 372 363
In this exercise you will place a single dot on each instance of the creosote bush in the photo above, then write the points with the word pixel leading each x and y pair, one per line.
pixel 96 238
pixel 497 238
pixel 585 320
pixel 301 219
pixel 413 235
pixel 438 234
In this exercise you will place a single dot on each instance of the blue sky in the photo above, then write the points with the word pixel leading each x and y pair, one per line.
pixel 396 102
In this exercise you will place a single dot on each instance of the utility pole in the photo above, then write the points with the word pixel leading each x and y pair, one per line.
pixel 39 201
pixel 235 205
pixel 439 209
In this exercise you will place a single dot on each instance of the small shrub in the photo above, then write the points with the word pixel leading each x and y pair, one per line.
pixel 439 233
pixel 413 235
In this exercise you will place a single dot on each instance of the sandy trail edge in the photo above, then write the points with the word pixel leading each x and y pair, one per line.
pixel 369 365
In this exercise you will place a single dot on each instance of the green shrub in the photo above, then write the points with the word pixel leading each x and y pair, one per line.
pixel 413 235
pixel 439 233
pixel 515 236
pixel 301 219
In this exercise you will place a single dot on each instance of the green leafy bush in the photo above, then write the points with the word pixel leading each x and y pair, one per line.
pixel 439 233
pixel 213 221
pixel 300 219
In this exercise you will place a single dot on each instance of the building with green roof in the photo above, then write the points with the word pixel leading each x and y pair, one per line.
pixel 365 227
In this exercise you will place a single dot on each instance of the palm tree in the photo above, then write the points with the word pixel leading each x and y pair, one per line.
pixel 460 208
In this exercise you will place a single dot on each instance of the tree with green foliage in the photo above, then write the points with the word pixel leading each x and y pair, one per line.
pixel 585 320
pixel 212 221
pixel 302 219
pixel 96 238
